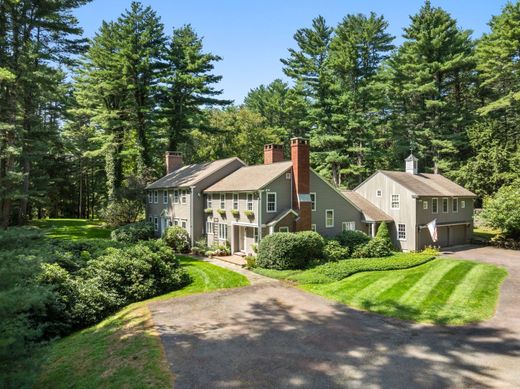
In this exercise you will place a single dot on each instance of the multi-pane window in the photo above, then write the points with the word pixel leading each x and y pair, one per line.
pixel 165 197
pixel 379 193
pixel 209 201
pixel 445 205
pixel 435 205
pixel 348 226
pixel 401 231
pixel 283 229
pixel 222 231
pixel 235 201
pixel 271 202
pixel 150 197
pixel 424 205
pixel 156 224
pixel 395 203
pixel 209 227
pixel 184 223
pixel 313 201
pixel 249 201
pixel 156 196
pixel 455 205
pixel 176 196
pixel 183 196
pixel 222 201
pixel 329 218
pixel 255 234
pixel 313 227
pixel 463 204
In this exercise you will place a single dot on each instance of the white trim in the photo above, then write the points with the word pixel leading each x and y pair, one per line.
pixel 392 202
pixel 283 229
pixel 150 197
pixel 345 225
pixel 326 224
pixel 209 201
pixel 252 202
pixel 313 227
pixel 313 208
pixel 237 201
pixel 244 224
pixel 379 193
pixel 225 228
pixel 184 198
pixel 222 199
pixel 447 205
pixel 156 197
pixel 454 201
pixel 267 202
pixel 463 204
pixel 436 205
pixel 281 217
pixel 176 196
pixel 425 205
pixel 165 196
pixel 403 238
pixel 156 223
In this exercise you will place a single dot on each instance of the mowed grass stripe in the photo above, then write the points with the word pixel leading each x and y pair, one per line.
pixel 428 281
pixel 377 288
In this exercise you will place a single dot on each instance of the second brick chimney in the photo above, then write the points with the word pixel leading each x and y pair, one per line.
pixel 300 154
pixel 173 161
pixel 273 153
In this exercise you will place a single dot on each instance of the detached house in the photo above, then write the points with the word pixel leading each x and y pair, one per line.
pixel 226 201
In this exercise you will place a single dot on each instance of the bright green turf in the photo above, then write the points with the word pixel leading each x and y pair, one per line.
pixel 124 350
pixel 442 291
pixel 73 229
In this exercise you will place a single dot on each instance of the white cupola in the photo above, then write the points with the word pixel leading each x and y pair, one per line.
pixel 411 164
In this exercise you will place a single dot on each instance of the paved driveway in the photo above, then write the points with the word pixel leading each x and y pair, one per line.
pixel 270 335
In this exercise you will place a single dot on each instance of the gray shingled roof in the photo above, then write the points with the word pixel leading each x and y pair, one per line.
pixel 250 178
pixel 189 175
pixel 369 210
pixel 426 184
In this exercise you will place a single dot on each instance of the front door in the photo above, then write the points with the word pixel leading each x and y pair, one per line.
pixel 241 238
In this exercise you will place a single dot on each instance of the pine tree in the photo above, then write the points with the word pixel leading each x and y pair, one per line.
pixel 187 86
pixel 432 85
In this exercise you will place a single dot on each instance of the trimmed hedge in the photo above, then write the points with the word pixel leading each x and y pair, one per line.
pixel 352 239
pixel 131 233
pixel 178 239
pixel 287 250
pixel 333 251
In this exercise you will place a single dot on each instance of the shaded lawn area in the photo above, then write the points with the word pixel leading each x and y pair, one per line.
pixel 73 229
pixel 124 350
pixel 407 286
pixel 484 234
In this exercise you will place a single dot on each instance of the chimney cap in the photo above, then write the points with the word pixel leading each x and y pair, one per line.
pixel 299 141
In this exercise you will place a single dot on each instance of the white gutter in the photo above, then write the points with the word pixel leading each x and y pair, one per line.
pixel 259 208
pixel 192 214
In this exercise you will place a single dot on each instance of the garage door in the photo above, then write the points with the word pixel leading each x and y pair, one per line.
pixel 457 235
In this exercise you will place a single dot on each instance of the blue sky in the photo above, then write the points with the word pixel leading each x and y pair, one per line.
pixel 253 36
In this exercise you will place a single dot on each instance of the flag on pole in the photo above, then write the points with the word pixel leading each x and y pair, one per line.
pixel 432 227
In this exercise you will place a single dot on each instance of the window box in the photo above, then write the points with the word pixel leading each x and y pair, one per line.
pixel 208 211
pixel 221 212
pixel 235 213
pixel 249 214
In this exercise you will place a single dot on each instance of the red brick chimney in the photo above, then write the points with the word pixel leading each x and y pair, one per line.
pixel 300 153
pixel 173 161
pixel 273 153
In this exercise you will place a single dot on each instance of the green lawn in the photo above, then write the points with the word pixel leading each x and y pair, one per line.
pixel 484 234
pixel 407 286
pixel 124 350
pixel 73 229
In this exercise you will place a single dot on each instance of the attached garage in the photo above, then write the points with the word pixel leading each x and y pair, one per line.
pixel 447 235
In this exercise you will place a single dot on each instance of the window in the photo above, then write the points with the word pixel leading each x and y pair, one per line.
pixel 444 205
pixel 379 193
pixel 235 201
pixel 454 205
pixel 395 201
pixel 175 222
pixel 249 201
pixel 255 234
pixel 463 204
pixel 155 197
pixel 271 202
pixel 150 197
pixel 222 231
pixel 150 219
pixel 170 222
pixel 424 205
pixel 435 205
pixel 184 223
pixel 313 201
pixel 209 202
pixel 283 229
pixel 401 231
pixel 313 227
pixel 176 196
pixel 156 224
pixel 183 196
pixel 222 201
pixel 287 176
pixel 348 226
pixel 329 218
pixel 209 227
pixel 165 197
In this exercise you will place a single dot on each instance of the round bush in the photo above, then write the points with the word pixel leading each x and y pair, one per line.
pixel 134 232
pixel 178 239
pixel 376 248
pixel 286 250
pixel 353 239
pixel 334 252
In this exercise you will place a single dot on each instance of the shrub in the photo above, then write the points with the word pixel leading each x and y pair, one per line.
pixel 502 211
pixel 200 247
pixel 123 211
pixel 131 233
pixel 429 250
pixel 15 237
pixel 250 261
pixel 383 232
pixel 353 239
pixel 178 239
pixel 286 250
pixel 377 247
pixel 333 251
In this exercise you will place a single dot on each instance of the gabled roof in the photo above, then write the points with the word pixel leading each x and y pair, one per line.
pixel 250 178
pixel 369 210
pixel 426 184
pixel 282 216
pixel 190 175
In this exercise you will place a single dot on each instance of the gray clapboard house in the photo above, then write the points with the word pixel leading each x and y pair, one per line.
pixel 226 201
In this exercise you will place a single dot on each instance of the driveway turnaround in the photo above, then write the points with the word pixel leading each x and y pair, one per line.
pixel 272 335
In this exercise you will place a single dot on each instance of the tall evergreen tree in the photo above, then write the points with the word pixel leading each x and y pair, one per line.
pixel 188 86
pixel 432 85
